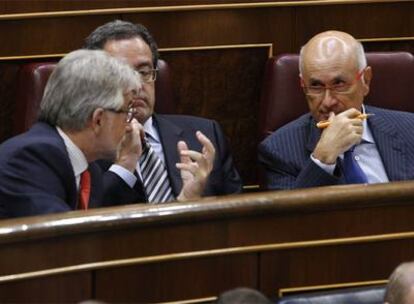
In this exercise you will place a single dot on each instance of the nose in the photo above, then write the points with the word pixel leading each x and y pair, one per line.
pixel 329 99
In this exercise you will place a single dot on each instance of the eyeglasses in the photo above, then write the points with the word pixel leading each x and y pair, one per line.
pixel 148 75
pixel 130 113
pixel 343 88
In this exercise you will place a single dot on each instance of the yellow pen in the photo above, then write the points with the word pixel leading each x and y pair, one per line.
pixel 325 123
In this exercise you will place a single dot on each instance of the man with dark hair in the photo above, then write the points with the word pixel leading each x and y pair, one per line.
pixel 165 135
pixel 400 287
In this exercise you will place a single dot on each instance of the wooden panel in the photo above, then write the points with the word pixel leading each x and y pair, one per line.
pixel 108 245
pixel 29 6
pixel 195 250
pixel 219 27
pixel 361 21
pixel 176 280
pixel 301 215
pixel 47 35
pixel 305 267
pixel 389 46
pixel 68 288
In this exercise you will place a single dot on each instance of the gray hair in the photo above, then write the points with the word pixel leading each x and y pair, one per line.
pixel 359 52
pixel 83 81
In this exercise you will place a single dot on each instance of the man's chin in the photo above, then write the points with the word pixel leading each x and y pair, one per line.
pixel 143 116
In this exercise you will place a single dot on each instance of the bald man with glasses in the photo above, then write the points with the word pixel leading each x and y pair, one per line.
pixel 341 140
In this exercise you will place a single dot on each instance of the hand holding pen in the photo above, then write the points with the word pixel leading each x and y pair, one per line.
pixel 325 123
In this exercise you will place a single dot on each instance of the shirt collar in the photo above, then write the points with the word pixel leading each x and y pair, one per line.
pixel 76 156
pixel 150 130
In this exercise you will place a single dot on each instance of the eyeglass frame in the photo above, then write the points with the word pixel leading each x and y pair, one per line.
pixel 332 88
pixel 130 112
pixel 143 73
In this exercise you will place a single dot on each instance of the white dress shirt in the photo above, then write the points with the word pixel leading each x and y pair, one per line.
pixel 76 156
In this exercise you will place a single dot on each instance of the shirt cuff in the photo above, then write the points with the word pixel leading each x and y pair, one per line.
pixel 325 167
pixel 124 174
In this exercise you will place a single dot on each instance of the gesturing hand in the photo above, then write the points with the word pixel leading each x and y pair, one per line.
pixel 195 167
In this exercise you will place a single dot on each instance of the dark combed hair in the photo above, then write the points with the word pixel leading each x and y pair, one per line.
pixel 120 30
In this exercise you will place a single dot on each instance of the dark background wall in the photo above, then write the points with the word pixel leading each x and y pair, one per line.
pixel 217 49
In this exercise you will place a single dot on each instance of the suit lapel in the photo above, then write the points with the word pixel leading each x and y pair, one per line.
pixel 389 144
pixel 170 134
pixel 314 135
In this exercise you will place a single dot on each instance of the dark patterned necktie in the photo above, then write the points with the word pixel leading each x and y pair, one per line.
pixel 154 175
pixel 352 171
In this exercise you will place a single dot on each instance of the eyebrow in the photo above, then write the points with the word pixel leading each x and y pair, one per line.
pixel 315 81
pixel 144 65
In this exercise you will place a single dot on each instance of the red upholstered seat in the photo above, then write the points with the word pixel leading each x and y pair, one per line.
pixel 33 78
pixel 282 99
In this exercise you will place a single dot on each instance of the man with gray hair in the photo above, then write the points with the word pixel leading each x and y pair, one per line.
pixel 341 140
pixel 400 287
pixel 87 103
pixel 87 113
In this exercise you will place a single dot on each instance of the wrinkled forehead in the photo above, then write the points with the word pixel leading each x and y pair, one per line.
pixel 329 54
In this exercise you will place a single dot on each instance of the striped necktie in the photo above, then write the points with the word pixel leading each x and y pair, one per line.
pixel 352 171
pixel 154 175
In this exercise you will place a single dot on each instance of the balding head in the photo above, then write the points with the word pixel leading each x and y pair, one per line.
pixel 332 46
pixel 334 74
pixel 400 288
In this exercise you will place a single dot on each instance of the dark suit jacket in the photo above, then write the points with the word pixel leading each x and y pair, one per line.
pixel 224 179
pixel 36 176
pixel 285 154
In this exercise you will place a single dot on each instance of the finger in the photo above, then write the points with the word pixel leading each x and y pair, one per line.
pixel 194 155
pixel 182 147
pixel 202 160
pixel 208 147
pixel 359 130
pixel 351 113
pixel 356 122
pixel 137 131
pixel 190 167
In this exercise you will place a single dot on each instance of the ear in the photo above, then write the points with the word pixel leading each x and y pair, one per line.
pixel 96 121
pixel 302 82
pixel 367 76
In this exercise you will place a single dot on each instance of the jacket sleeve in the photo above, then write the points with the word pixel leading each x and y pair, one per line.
pixel 224 179
pixel 36 180
pixel 285 172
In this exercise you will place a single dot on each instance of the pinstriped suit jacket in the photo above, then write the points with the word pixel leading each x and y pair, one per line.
pixel 285 154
